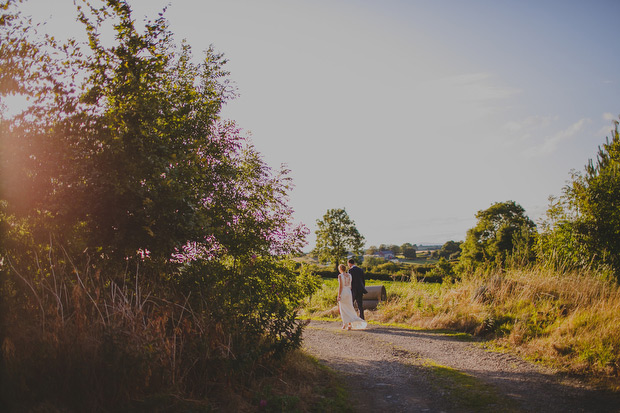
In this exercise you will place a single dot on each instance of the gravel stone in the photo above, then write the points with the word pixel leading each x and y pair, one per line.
pixel 384 369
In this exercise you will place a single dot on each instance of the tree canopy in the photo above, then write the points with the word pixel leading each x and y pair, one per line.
pixel 450 250
pixel 409 251
pixel 122 174
pixel 502 231
pixel 583 225
pixel 336 235
pixel 135 155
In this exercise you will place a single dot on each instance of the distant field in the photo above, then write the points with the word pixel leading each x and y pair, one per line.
pixel 418 261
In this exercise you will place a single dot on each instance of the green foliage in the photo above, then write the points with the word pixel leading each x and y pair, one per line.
pixel 406 249
pixel 387 268
pixel 372 261
pixel 22 65
pixel 324 298
pixel 394 248
pixel 450 250
pixel 255 301
pixel 583 225
pixel 134 158
pixel 336 235
pixel 389 247
pixel 561 243
pixel 137 227
pixel 503 231
pixel 146 156
pixel 380 267
pixel 442 269
pixel 409 252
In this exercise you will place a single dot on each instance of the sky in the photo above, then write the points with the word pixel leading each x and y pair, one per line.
pixel 410 115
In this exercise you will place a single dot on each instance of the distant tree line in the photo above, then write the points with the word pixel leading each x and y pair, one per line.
pixel 407 249
pixel 581 229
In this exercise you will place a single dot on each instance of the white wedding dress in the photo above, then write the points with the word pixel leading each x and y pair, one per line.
pixel 347 312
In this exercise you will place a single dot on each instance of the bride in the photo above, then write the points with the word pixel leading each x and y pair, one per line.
pixel 350 320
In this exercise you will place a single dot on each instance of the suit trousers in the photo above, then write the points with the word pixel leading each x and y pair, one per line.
pixel 358 297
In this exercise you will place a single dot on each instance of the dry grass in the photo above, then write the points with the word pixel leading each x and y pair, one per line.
pixel 299 383
pixel 92 346
pixel 72 339
pixel 570 320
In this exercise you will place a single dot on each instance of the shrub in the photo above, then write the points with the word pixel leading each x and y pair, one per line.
pixel 143 239
pixel 77 339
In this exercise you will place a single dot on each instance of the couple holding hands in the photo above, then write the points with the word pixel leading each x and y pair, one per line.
pixel 351 287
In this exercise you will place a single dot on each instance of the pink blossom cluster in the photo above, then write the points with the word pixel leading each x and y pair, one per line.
pixel 206 250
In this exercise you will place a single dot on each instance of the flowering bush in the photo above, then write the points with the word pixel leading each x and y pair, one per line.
pixel 138 228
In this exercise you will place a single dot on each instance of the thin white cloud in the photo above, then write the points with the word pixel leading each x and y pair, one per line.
pixel 551 142
pixel 523 129
pixel 478 87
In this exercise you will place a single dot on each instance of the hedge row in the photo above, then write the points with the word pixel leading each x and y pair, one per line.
pixel 420 276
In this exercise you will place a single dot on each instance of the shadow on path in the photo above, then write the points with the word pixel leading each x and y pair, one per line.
pixel 390 367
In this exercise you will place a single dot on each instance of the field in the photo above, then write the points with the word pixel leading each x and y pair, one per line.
pixel 570 321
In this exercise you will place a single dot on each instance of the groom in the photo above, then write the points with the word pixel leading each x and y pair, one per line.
pixel 357 286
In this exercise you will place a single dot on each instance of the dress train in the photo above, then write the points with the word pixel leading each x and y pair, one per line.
pixel 347 311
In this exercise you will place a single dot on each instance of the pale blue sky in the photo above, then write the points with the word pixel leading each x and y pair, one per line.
pixel 412 115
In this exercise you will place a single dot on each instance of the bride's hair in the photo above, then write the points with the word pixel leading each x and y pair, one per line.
pixel 342 268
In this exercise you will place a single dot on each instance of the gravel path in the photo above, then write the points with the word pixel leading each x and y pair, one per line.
pixel 387 369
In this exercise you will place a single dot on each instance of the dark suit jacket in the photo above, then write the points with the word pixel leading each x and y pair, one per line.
pixel 357 280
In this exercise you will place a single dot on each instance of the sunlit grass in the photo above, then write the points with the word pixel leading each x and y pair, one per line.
pixel 569 320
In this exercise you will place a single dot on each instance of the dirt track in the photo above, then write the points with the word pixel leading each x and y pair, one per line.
pixel 389 369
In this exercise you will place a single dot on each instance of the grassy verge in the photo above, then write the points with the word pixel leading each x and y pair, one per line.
pixel 570 321
pixel 299 384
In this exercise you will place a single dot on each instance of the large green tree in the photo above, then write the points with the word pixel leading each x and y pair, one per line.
pixel 336 235
pixel 123 177
pixel 395 249
pixel 583 225
pixel 503 231
pixel 133 153
pixel 450 250
pixel 409 251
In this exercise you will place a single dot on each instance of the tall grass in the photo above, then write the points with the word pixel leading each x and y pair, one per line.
pixel 570 320
pixel 78 339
